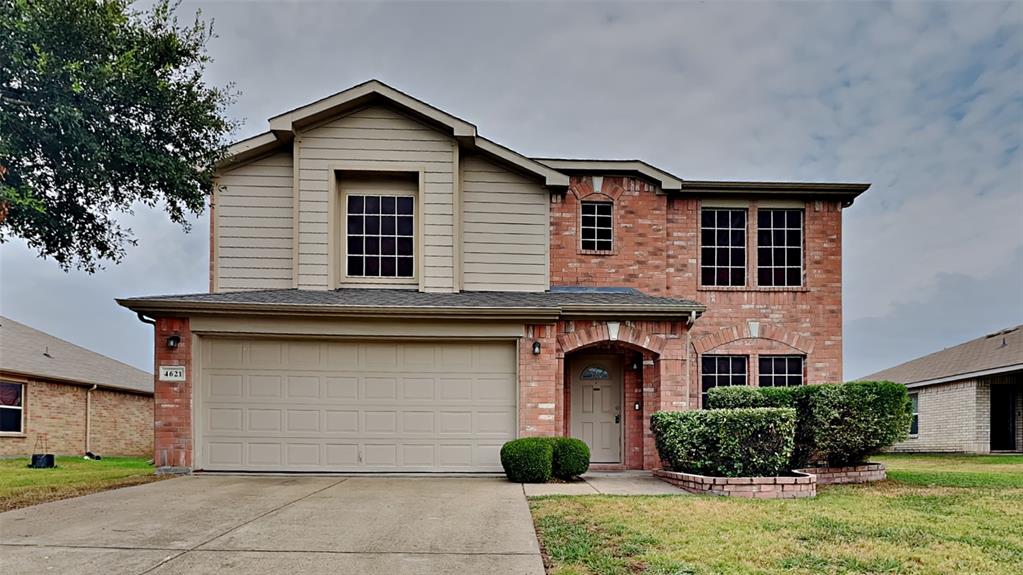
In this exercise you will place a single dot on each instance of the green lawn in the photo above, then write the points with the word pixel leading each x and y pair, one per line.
pixel 21 486
pixel 935 514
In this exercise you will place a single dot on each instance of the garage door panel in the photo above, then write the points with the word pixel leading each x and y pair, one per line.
pixel 356 406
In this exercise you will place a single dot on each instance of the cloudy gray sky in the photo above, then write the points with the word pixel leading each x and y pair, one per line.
pixel 924 100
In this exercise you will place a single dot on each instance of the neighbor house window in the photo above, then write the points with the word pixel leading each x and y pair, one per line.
pixel 381 236
pixel 721 370
pixel 780 370
pixel 779 247
pixel 914 425
pixel 12 402
pixel 597 228
pixel 722 247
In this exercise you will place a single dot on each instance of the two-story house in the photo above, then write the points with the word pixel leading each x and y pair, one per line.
pixel 391 291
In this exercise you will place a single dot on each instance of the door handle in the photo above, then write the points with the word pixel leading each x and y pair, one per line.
pixel 618 418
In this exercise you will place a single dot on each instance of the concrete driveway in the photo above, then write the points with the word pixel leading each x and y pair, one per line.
pixel 232 524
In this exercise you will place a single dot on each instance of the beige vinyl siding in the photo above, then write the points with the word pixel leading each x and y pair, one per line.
pixel 375 135
pixel 504 229
pixel 255 225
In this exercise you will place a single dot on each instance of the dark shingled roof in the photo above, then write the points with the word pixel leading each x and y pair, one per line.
pixel 1001 349
pixel 556 300
pixel 34 353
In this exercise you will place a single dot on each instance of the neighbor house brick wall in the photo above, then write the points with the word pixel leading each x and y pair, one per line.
pixel 122 423
pixel 954 417
pixel 657 244
pixel 172 411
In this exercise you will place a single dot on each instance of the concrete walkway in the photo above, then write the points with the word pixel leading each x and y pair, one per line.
pixel 251 525
pixel 606 483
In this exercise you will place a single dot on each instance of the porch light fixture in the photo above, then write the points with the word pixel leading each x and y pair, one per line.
pixel 536 348
pixel 173 341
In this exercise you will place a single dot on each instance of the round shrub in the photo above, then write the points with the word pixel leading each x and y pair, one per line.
pixel 738 396
pixel 726 442
pixel 528 460
pixel 571 457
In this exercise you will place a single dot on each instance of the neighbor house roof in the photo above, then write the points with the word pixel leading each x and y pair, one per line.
pixel 998 352
pixel 560 302
pixel 32 353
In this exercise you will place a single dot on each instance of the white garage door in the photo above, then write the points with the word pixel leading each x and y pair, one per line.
pixel 298 405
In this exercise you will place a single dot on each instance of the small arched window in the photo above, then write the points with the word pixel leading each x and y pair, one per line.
pixel 594 372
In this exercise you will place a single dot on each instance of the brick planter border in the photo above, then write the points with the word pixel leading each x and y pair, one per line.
pixel 854 474
pixel 779 487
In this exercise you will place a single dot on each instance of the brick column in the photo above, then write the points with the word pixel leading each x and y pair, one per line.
pixel 172 408
pixel 539 383
pixel 651 405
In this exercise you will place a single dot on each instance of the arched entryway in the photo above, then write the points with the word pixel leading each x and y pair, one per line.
pixel 611 386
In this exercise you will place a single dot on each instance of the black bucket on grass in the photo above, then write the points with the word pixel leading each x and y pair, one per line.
pixel 41 461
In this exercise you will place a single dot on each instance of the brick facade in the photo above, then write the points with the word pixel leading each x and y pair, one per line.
pixel 173 406
pixel 657 251
pixel 121 423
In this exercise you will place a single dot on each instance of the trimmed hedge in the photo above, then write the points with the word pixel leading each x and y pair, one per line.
pixel 528 460
pixel 571 457
pixel 836 425
pixel 726 442
pixel 537 459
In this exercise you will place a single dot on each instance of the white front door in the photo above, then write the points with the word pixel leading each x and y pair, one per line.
pixel 597 405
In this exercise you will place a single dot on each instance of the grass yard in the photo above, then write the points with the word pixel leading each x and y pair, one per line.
pixel 73 476
pixel 935 514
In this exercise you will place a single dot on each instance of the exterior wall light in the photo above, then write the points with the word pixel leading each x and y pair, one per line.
pixel 536 348
pixel 173 341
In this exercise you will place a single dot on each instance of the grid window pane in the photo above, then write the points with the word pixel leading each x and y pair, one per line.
pixel 721 370
pixel 779 247
pixel 597 226
pixel 780 370
pixel 723 237
pixel 380 226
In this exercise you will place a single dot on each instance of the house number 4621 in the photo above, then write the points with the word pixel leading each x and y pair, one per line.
pixel 172 373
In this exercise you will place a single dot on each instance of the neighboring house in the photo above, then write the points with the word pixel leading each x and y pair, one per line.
pixel 967 398
pixel 75 399
pixel 391 291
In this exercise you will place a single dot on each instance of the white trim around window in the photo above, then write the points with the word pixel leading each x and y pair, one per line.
pixel 12 408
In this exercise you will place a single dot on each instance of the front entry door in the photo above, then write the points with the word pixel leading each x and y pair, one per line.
pixel 597 406
pixel 1003 418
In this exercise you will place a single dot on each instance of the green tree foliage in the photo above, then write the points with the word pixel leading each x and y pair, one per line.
pixel 102 108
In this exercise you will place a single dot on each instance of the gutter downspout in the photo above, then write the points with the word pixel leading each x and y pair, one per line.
pixel 88 417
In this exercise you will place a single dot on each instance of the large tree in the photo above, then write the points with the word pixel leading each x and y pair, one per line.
pixel 103 107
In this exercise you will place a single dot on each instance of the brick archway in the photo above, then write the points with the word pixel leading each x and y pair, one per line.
pixel 752 330
pixel 613 332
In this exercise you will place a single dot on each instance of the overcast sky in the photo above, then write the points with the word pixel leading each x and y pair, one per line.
pixel 923 100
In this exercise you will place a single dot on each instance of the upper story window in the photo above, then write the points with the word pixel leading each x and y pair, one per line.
pixel 12 397
pixel 723 247
pixel 780 370
pixel 721 370
pixel 380 241
pixel 597 227
pixel 779 247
